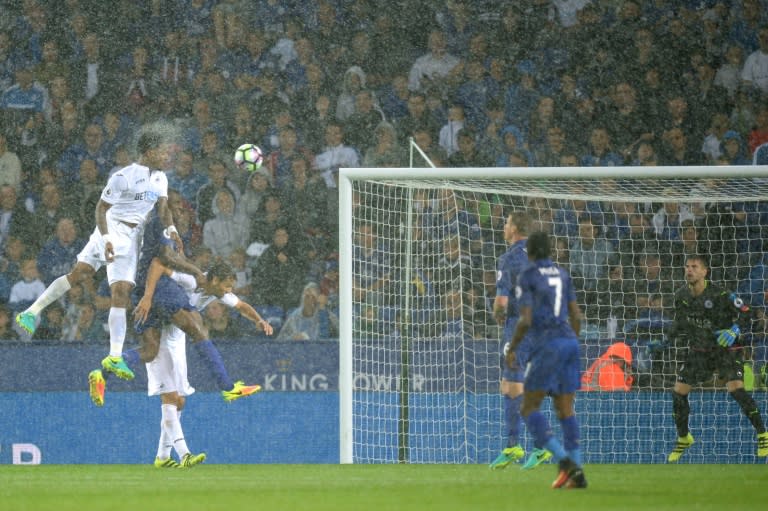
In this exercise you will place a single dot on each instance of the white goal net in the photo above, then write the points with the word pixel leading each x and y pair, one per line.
pixel 420 351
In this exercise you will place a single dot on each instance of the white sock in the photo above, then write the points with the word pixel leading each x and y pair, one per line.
pixel 173 429
pixel 164 446
pixel 117 328
pixel 56 290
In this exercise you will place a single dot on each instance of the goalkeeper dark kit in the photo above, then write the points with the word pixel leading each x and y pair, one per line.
pixel 698 318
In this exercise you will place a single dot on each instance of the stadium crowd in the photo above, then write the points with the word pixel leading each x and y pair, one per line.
pixel 345 83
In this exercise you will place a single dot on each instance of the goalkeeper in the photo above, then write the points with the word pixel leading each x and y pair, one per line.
pixel 708 321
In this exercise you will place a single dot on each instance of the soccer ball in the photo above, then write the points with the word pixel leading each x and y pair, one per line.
pixel 249 157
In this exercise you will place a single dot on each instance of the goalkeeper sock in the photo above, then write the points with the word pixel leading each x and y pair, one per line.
pixel 570 428
pixel 681 409
pixel 749 407
pixel 512 418
pixel 212 358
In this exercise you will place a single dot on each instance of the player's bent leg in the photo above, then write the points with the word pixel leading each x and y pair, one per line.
pixel 96 387
pixel 681 445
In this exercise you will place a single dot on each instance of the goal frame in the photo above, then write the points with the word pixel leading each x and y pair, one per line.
pixel 348 175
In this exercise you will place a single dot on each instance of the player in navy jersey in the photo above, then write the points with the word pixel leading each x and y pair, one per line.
pixel 548 310
pixel 505 310
pixel 121 215
pixel 171 305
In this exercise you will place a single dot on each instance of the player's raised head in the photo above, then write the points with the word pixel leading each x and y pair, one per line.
pixel 539 246
pixel 221 270
pixel 149 140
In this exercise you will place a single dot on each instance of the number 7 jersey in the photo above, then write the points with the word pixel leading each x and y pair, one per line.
pixel 547 289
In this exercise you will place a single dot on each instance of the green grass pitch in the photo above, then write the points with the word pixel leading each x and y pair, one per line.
pixel 378 487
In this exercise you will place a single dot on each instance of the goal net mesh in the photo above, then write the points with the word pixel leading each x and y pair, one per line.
pixel 426 349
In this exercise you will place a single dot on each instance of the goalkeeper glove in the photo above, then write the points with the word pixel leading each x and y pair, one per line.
pixel 727 337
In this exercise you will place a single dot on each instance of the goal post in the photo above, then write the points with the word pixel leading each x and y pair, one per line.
pixel 419 362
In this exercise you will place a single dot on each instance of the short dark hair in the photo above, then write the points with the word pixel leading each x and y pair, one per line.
pixel 704 260
pixel 539 246
pixel 221 269
pixel 521 220
pixel 148 140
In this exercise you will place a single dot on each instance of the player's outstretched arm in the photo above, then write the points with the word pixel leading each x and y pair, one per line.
pixel 249 312
pixel 156 270
pixel 166 217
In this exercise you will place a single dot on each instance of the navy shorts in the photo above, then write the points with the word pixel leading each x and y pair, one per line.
pixel 169 298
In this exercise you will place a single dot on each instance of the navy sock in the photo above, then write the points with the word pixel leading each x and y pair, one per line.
pixel 132 358
pixel 512 419
pixel 539 428
pixel 212 358
pixel 570 427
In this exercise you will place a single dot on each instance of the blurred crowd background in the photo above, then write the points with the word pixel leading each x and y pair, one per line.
pixel 345 83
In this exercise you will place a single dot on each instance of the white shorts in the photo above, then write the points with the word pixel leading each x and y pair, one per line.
pixel 126 242
pixel 168 371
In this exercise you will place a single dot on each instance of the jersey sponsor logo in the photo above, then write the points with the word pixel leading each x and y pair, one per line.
pixel 149 195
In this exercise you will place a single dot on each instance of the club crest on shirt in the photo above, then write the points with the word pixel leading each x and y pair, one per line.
pixel 707 304
pixel 108 192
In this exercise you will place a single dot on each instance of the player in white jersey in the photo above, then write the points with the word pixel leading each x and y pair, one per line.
pixel 121 214
pixel 167 378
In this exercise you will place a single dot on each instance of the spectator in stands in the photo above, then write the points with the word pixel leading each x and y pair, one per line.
pixel 755 66
pixel 26 290
pixel 468 153
pixel 272 215
pixel 243 272
pixel 372 266
pixel 352 83
pixel 425 140
pixel 49 210
pixel 361 124
pixel 91 147
pixel 677 151
pixel 733 150
pixel 549 152
pixel 600 152
pixel 718 126
pixel 7 333
pixel 759 133
pixel 449 133
pixel 93 80
pixel 281 160
pixel 418 118
pixel 335 154
pixel 58 255
pixel 512 140
pixel 10 165
pixel 228 229
pixel 310 321
pixel 52 324
pixel 728 75
pixel 87 328
pixel 219 179
pixel 435 67
pixel 393 98
pixel 220 324
pixel 590 255
pixel 279 274
pixel 385 151
pixel 186 177
pixel 23 106
pixel 15 220
pixel 522 96
pixel 259 185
